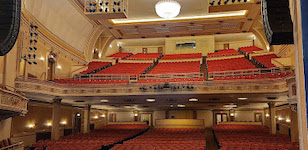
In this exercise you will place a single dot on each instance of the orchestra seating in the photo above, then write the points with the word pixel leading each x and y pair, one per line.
pixel 5 143
pixel 145 56
pixel 249 49
pixel 127 68
pixel 182 56
pixel 257 76
pixel 94 140
pixel 229 64
pixel 120 55
pixel 93 66
pixel 251 137
pixel 224 53
pixel 177 67
pixel 89 81
pixel 167 139
pixel 265 60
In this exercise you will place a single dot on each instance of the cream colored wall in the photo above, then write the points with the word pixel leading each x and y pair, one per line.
pixel 233 45
pixel 5 128
pixel 100 121
pixel 138 49
pixel 204 45
pixel 56 16
pixel 113 49
pixel 1 69
pixel 181 114
pixel 244 116
pixel 207 116
pixel 124 116
pixel 158 114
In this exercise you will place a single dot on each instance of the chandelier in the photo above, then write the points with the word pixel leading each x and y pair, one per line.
pixel 167 9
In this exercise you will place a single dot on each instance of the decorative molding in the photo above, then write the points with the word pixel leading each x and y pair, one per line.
pixel 13 100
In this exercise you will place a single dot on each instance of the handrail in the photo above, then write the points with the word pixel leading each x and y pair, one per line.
pixel 101 76
pixel 247 72
pixel 15 145
pixel 283 50
pixel 171 75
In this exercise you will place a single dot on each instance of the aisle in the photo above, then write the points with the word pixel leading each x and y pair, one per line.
pixel 210 141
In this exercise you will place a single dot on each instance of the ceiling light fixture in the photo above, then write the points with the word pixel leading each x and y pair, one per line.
pixel 242 98
pixel 181 106
pixel 104 101
pixel 150 100
pixel 167 9
pixel 193 100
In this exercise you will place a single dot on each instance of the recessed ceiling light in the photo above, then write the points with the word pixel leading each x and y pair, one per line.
pixel 193 100
pixel 181 105
pixel 105 101
pixel 150 100
pixel 227 106
pixel 242 98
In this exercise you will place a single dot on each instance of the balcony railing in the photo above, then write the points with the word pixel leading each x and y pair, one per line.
pixel 12 99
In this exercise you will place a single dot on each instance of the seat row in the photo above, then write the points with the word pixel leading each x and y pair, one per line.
pixel 229 64
pixel 127 68
pixel 94 140
pixel 177 67
pixel 120 55
pixel 249 49
pixel 223 53
pixel 182 56
pixel 89 81
pixel 248 137
pixel 167 138
pixel 145 56
pixel 93 66
pixel 265 60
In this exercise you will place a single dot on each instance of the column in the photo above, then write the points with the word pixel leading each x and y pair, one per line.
pixel 272 113
pixel 86 119
pixel 56 114
pixel 294 127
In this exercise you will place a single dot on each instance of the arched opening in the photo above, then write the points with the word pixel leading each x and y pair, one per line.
pixel 51 69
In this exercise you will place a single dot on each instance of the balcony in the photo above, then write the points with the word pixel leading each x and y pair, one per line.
pixel 12 102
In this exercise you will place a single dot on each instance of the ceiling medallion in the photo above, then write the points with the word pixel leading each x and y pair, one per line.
pixel 167 9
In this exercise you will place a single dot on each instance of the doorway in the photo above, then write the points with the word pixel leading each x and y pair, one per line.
pixel 51 69
pixel 112 118
pixel 144 50
pixel 77 123
pixel 258 117
pixel 226 46
pixel 146 118
pixel 221 118
pixel 160 49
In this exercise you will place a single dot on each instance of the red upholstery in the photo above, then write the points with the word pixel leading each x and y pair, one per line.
pixel 258 76
pixel 177 67
pixel 127 68
pixel 249 49
pixel 94 140
pixel 251 136
pixel 145 56
pixel 183 56
pixel 229 64
pixel 120 55
pixel 167 139
pixel 170 80
pixel 89 81
pixel 92 66
pixel 265 60
pixel 223 53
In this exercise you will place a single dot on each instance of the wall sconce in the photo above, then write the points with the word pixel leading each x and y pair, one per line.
pixel 63 122
pixel 103 115
pixel 42 58
pixel 280 118
pixel 78 115
pixel 232 114
pixel 31 126
pixel 59 67
pixel 136 115
pixel 288 120
pixel 267 115
pixel 48 124
pixel 95 117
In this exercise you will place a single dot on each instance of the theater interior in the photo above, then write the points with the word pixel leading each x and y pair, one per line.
pixel 153 75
